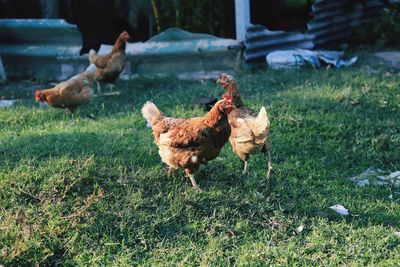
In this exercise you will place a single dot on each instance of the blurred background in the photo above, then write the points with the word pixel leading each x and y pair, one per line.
pixel 100 21
pixel 344 25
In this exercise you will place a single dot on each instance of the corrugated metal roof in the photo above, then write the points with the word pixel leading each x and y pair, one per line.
pixel 333 23
pixel 260 41
pixel 334 20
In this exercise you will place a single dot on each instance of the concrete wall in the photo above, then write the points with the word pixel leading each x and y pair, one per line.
pixel 32 47
pixel 50 49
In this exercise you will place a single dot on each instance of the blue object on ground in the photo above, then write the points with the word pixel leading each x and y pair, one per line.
pixel 288 59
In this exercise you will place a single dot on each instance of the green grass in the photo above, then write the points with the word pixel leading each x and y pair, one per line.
pixel 78 191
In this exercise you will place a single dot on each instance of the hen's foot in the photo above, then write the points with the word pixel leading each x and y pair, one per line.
pixel 171 172
pixel 195 186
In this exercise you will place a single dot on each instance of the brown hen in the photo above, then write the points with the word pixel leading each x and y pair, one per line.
pixel 110 65
pixel 188 143
pixel 249 130
pixel 69 94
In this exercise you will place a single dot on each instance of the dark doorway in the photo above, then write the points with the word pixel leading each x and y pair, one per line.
pixel 286 15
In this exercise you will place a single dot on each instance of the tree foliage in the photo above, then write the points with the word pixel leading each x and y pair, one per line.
pixel 192 15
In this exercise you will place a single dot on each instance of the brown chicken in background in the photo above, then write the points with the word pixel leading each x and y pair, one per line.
pixel 249 130
pixel 110 65
pixel 187 143
pixel 69 94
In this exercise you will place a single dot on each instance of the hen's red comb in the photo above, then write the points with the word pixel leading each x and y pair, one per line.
pixel 38 96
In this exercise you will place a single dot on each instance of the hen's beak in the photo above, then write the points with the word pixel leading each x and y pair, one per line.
pixel 222 82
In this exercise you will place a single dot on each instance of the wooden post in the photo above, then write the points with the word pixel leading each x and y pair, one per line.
pixel 242 13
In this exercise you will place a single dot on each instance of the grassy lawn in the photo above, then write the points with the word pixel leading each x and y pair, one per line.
pixel 82 191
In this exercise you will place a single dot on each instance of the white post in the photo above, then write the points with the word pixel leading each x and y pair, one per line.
pixel 242 13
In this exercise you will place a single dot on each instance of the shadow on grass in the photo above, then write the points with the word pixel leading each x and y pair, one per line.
pixel 108 147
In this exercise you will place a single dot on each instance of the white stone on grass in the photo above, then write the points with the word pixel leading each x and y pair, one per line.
pixel 300 229
pixel 340 209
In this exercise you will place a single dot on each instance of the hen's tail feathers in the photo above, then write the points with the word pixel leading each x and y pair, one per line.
pixel 92 55
pixel 261 124
pixel 151 113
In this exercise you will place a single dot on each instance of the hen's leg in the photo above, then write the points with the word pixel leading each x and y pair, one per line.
pixel 195 186
pixel 191 177
pixel 111 86
pixel 245 158
pixel 98 88
pixel 246 167
pixel 266 151
pixel 269 165
pixel 171 171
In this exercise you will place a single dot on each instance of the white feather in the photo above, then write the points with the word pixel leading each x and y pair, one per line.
pixel 164 139
pixel 261 123
pixel 194 159
pixel 151 113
